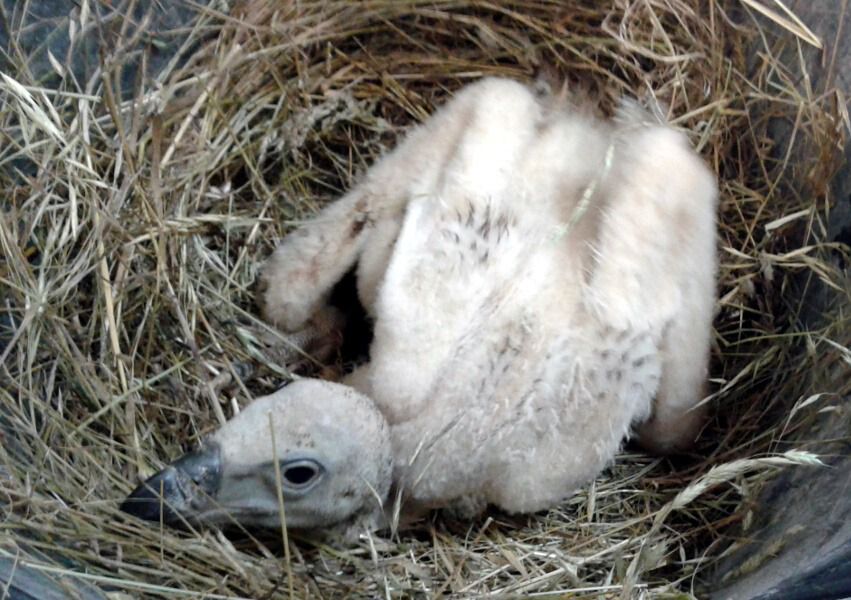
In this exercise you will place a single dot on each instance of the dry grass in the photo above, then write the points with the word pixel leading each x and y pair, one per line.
pixel 132 232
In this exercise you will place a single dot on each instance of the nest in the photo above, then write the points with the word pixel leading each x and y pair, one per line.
pixel 135 218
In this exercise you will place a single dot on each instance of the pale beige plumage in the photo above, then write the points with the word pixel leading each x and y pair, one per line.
pixel 537 277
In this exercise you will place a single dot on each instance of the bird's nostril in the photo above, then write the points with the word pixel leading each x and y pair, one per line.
pixel 203 467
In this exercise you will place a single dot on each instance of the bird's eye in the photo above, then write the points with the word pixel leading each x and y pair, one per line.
pixel 300 474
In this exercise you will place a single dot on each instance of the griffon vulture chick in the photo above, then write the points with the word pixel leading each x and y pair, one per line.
pixel 542 285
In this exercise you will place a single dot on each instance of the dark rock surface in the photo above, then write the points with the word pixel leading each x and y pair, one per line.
pixel 27 583
pixel 122 36
pixel 118 30
pixel 799 545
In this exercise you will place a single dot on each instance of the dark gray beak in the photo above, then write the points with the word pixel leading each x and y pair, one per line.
pixel 180 490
